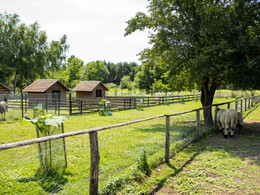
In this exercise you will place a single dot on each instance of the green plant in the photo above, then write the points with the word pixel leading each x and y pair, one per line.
pixel 45 122
pixel 103 107
pixel 139 106
pixel 182 100
pixel 44 126
pixel 143 164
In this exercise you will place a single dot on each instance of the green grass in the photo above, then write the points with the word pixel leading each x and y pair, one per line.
pixel 252 114
pixel 204 169
pixel 212 166
pixel 120 149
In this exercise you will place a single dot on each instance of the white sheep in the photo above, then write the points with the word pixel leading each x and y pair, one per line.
pixel 231 118
pixel 221 119
pixel 240 122
pixel 3 108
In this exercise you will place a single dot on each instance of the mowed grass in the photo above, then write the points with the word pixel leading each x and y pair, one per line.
pixel 212 166
pixel 120 149
pixel 14 130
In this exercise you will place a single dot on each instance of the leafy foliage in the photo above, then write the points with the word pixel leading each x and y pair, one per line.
pixel 47 120
pixel 207 43
pixel 25 53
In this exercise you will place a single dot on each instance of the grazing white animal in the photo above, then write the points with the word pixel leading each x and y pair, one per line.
pixel 240 122
pixel 221 119
pixel 3 108
pixel 231 118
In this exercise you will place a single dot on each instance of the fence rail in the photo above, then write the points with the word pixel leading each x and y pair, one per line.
pixel 93 133
pixel 68 105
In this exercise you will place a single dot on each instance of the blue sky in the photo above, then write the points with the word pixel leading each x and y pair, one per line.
pixel 95 28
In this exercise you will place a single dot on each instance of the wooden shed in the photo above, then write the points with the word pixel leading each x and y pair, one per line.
pixel 90 89
pixel 46 90
pixel 4 89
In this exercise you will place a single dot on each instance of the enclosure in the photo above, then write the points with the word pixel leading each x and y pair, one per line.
pixel 109 156
pixel 69 104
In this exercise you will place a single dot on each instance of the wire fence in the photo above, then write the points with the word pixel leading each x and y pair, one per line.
pixel 68 104
pixel 103 160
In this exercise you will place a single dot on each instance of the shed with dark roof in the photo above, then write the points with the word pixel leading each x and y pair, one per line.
pixel 46 90
pixel 90 89
pixel 4 89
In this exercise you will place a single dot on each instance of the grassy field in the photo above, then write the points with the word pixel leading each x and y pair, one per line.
pixel 212 166
pixel 122 150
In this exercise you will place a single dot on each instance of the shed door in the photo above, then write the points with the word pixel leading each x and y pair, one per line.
pixel 98 93
pixel 55 94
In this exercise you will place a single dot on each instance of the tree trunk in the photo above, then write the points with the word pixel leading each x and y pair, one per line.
pixel 207 95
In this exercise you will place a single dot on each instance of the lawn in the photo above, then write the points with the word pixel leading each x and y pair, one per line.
pixel 212 166
pixel 120 150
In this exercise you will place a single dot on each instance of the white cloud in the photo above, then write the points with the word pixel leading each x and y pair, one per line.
pixel 95 29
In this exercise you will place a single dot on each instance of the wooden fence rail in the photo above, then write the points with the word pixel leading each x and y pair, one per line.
pixel 93 136
pixel 70 105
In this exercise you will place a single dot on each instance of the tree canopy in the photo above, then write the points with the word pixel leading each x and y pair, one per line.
pixel 202 42
pixel 25 53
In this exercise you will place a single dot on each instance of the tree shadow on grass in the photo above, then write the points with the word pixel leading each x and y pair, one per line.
pixel 51 181
pixel 176 172
pixel 252 110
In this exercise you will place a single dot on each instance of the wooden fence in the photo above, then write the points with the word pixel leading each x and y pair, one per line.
pixel 52 103
pixel 81 106
pixel 93 135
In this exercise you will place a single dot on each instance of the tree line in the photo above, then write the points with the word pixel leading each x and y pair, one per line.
pixel 124 75
pixel 26 55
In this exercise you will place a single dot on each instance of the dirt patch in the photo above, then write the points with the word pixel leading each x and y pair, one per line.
pixel 251 128
pixel 244 144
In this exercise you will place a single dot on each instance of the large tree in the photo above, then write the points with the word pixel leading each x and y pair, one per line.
pixel 22 49
pixel 57 54
pixel 25 53
pixel 194 40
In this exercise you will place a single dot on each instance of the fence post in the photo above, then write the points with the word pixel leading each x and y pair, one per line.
pixel 241 106
pixel 94 166
pixel 249 105
pixel 148 102
pixel 55 94
pixel 167 139
pixel 22 103
pixel 64 146
pixel 228 107
pixel 198 123
pixel 46 104
pixel 124 103
pixel 245 103
pixel 6 100
pixel 70 104
pixel 59 105
pixel 215 116
pixel 81 106
pixel 236 105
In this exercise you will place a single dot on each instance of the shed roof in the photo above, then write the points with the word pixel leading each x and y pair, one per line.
pixel 5 87
pixel 42 85
pixel 88 86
